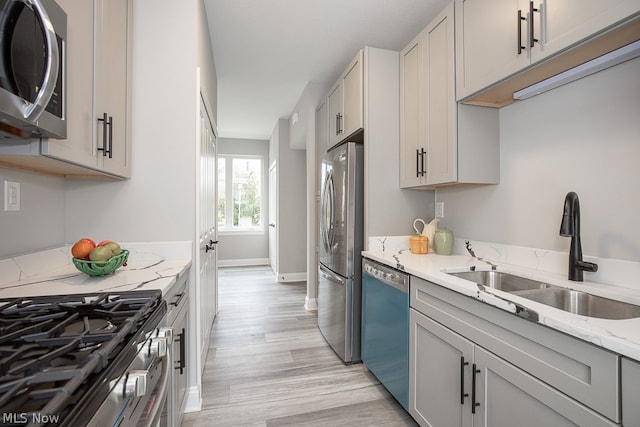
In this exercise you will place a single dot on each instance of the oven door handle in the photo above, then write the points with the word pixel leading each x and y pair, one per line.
pixel 156 411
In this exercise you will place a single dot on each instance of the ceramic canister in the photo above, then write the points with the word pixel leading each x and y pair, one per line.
pixel 443 241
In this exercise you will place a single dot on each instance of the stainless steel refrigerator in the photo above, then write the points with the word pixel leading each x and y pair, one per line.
pixel 340 247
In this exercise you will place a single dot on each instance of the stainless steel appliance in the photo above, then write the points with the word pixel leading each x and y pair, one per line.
pixel 84 360
pixel 385 327
pixel 341 236
pixel 32 69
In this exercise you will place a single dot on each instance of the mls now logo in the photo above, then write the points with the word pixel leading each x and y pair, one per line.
pixel 25 418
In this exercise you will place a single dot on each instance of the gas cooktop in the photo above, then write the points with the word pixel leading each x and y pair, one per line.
pixel 58 354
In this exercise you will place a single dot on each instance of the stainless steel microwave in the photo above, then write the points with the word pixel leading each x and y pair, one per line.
pixel 32 69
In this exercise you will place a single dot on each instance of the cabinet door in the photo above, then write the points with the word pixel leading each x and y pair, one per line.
pixel 79 146
pixel 335 116
pixel 560 23
pixel 322 129
pixel 440 111
pixel 352 96
pixel 487 43
pixel 630 391
pixel 180 359
pixel 412 95
pixel 507 396
pixel 112 79
pixel 440 364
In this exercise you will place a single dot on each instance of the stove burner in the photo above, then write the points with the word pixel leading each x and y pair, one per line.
pixel 56 351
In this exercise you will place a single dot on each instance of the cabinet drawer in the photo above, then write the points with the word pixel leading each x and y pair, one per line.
pixel 585 372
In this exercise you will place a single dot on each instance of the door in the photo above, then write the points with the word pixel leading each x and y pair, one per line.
pixel 207 230
pixel 352 98
pixel 273 214
pixel 335 118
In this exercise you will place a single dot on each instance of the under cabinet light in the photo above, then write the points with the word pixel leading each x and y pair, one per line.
pixel 600 63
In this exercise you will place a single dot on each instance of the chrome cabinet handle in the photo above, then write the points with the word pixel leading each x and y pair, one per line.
pixel 33 111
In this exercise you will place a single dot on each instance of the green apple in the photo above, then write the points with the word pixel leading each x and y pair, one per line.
pixel 100 254
pixel 114 247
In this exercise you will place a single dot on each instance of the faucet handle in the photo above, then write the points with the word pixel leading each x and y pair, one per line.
pixel 587 266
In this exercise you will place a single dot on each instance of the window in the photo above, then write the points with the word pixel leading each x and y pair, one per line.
pixel 240 193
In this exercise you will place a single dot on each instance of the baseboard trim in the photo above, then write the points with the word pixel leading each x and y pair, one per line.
pixel 291 277
pixel 194 401
pixel 311 304
pixel 242 262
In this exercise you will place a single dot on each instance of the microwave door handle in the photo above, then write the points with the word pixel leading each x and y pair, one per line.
pixel 33 111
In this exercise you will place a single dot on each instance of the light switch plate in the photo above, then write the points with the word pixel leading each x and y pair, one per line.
pixel 11 196
pixel 439 209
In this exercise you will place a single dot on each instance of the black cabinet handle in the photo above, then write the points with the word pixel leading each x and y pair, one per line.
pixel 532 40
pixel 338 124
pixel 177 301
pixel 462 393
pixel 423 154
pixel 110 124
pixel 107 135
pixel 474 403
pixel 520 19
pixel 182 364
pixel 417 163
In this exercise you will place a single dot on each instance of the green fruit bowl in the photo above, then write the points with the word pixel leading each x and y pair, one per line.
pixel 101 268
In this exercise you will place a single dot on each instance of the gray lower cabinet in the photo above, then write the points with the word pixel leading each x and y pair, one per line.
pixel 471 364
pixel 630 374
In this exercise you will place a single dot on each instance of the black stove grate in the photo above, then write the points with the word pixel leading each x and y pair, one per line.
pixel 57 350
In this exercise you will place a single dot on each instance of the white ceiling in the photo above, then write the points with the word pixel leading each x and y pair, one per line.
pixel 266 51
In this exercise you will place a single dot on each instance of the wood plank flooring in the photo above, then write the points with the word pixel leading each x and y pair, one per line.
pixel 268 364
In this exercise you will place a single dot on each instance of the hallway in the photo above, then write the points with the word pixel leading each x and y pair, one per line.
pixel 268 364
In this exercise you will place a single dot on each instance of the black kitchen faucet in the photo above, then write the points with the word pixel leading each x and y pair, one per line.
pixel 570 227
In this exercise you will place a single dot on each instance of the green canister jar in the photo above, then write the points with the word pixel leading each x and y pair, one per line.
pixel 443 241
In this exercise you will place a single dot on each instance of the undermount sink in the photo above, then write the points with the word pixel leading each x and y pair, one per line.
pixel 584 304
pixel 569 300
pixel 502 281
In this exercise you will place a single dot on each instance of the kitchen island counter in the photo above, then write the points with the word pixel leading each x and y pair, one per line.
pixel 51 272
pixel 619 336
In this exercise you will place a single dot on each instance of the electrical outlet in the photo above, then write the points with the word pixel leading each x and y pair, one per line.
pixel 11 196
pixel 439 209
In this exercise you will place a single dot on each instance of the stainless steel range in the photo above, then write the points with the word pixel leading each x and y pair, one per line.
pixel 80 360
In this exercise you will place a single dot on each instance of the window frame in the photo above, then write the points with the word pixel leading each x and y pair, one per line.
pixel 228 228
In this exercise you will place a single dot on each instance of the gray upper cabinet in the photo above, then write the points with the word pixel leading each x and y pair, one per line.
pixel 497 40
pixel 98 99
pixel 345 102
pixel 99 126
pixel 441 142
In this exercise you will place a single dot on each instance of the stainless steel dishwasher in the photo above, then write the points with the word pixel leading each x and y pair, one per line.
pixel 385 327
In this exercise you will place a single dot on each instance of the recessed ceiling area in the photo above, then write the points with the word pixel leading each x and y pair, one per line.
pixel 266 51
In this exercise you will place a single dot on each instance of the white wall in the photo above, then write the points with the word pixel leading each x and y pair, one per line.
pixel 291 222
pixel 582 137
pixel 39 222
pixel 246 249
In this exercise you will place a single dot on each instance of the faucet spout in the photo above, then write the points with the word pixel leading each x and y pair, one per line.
pixel 570 227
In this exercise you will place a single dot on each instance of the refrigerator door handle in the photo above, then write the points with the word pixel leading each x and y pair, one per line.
pixel 327 212
pixel 331 236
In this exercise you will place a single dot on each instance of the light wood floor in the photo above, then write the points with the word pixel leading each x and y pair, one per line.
pixel 268 364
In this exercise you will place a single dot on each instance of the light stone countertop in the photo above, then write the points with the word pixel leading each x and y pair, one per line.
pixel 619 336
pixel 155 265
